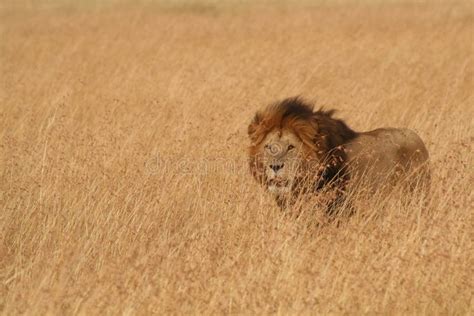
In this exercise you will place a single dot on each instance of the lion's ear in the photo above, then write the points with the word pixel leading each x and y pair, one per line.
pixel 254 126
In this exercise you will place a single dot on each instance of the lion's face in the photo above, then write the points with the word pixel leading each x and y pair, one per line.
pixel 283 157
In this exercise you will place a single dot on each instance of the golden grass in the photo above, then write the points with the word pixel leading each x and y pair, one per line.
pixel 124 187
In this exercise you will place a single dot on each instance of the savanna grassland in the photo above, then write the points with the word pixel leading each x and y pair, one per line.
pixel 124 186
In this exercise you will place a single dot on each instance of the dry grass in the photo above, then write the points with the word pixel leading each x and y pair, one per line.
pixel 124 187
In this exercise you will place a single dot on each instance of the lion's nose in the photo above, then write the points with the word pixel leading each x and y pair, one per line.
pixel 276 167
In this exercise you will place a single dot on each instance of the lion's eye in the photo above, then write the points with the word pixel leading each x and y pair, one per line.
pixel 290 147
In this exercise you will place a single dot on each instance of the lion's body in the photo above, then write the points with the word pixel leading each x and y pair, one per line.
pixel 384 156
pixel 296 150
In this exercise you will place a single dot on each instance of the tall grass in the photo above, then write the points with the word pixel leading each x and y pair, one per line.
pixel 124 186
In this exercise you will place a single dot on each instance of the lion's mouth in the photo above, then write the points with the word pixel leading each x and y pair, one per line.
pixel 278 183
pixel 278 186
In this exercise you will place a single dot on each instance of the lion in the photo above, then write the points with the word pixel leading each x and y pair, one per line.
pixel 296 151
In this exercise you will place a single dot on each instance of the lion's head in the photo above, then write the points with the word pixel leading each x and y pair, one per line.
pixel 291 144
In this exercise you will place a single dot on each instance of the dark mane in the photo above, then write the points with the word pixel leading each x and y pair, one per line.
pixel 333 134
pixel 316 127
pixel 295 107
pixel 334 130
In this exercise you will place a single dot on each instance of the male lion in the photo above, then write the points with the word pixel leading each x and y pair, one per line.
pixel 296 151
